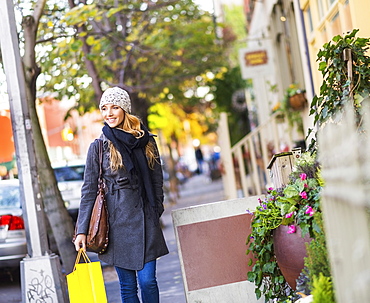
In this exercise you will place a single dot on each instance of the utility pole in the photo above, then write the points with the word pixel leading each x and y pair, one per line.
pixel 41 276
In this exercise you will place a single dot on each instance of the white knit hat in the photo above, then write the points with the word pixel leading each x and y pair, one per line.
pixel 117 96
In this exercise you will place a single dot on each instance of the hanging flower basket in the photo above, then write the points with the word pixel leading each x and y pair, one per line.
pixel 298 101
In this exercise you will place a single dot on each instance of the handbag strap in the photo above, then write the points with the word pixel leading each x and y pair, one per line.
pixel 100 179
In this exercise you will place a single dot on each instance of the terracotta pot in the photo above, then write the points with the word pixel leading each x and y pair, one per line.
pixel 290 250
pixel 298 101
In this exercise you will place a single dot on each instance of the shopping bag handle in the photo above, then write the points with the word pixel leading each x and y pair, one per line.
pixel 81 252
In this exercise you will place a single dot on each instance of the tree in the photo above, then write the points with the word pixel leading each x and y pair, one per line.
pixel 148 48
pixel 143 47
pixel 228 86
pixel 56 213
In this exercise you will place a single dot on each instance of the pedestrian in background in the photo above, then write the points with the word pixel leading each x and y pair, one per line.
pixel 200 160
pixel 134 192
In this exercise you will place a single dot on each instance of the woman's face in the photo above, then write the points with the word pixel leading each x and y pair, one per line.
pixel 112 114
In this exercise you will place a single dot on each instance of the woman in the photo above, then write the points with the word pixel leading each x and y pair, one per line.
pixel 133 176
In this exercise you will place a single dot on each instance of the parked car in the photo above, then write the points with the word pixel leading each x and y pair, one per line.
pixel 13 243
pixel 70 178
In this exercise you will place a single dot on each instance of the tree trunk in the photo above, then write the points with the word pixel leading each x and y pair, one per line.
pixel 59 219
pixel 90 66
pixel 140 107
pixel 56 213
pixel 174 191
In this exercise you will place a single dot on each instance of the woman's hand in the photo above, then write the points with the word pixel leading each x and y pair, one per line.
pixel 80 242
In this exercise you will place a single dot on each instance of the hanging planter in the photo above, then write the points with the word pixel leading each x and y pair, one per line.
pixel 298 101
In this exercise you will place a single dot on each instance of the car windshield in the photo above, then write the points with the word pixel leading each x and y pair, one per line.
pixel 69 173
pixel 9 196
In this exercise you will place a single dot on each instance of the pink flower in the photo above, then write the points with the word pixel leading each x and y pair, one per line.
pixel 303 176
pixel 310 211
pixel 303 195
pixel 270 189
pixel 305 185
pixel 291 229
pixel 289 215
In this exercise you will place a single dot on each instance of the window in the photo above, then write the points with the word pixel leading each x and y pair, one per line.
pixel 320 9
pixel 324 35
pixel 309 19
pixel 9 196
pixel 335 25
pixel 69 173
pixel 346 16
pixel 330 2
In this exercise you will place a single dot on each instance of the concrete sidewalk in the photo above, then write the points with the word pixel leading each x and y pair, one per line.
pixel 197 190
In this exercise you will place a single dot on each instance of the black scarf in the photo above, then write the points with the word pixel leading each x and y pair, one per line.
pixel 132 150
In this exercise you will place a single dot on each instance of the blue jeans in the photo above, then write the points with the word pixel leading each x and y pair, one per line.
pixel 147 282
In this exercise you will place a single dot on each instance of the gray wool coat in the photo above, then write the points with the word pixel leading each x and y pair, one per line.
pixel 135 236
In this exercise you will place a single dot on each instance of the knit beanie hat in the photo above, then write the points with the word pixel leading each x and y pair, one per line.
pixel 117 96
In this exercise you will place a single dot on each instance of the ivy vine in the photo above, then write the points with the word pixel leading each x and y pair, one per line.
pixel 336 89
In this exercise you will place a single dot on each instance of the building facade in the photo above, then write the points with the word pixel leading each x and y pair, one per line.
pixel 295 30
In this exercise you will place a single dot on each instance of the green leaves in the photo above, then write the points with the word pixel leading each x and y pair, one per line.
pixel 114 10
pixel 334 90
pixel 145 47
pixel 266 274
pixel 269 267
pixel 81 14
pixel 322 66
pixel 76 45
pixel 297 203
pixel 291 191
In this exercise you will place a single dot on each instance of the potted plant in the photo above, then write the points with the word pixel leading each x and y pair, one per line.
pixel 292 207
pixel 290 106
pixel 295 97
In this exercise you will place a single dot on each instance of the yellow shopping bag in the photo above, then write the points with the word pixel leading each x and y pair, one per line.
pixel 85 282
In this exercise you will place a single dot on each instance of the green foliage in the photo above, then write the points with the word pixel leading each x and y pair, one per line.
pixel 336 87
pixel 224 85
pixel 266 274
pixel 301 196
pixel 165 117
pixel 235 23
pixel 317 261
pixel 144 47
pixel 322 289
pixel 294 116
pixel 294 204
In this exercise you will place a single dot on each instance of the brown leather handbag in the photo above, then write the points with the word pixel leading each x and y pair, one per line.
pixel 97 236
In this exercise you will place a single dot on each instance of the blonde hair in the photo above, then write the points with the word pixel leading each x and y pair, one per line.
pixel 131 124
